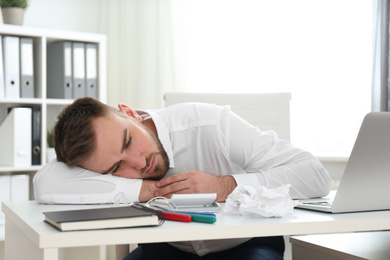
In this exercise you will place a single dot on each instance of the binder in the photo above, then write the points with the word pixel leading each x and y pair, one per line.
pixel 11 66
pixel 78 70
pixel 26 68
pixel 91 69
pixel 36 136
pixel 59 70
pixel 2 90
pixel 35 132
pixel 15 138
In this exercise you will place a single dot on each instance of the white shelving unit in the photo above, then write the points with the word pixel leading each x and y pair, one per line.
pixel 50 108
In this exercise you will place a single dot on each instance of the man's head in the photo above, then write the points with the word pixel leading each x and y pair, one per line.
pixel 103 139
pixel 74 136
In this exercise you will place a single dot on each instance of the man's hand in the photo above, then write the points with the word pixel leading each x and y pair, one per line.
pixel 196 182
pixel 148 189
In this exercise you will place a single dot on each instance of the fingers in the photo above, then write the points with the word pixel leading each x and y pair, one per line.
pixel 172 179
pixel 174 184
pixel 185 182
pixel 196 182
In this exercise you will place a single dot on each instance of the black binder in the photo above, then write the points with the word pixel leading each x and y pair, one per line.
pixel 35 133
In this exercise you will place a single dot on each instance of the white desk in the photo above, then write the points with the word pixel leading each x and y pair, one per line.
pixel 28 237
pixel 349 246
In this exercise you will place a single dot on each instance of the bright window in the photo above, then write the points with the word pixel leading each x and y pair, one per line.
pixel 320 51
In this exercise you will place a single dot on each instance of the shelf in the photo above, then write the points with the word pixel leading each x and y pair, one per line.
pixel 32 168
pixel 51 34
pixel 21 101
pixel 50 107
pixel 49 101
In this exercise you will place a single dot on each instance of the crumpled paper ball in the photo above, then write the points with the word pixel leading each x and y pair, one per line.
pixel 246 200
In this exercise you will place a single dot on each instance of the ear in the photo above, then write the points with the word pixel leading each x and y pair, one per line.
pixel 129 111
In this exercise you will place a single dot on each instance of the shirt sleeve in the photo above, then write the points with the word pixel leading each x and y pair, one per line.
pixel 56 183
pixel 272 162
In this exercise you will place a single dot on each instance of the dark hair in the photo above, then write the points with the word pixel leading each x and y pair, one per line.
pixel 74 136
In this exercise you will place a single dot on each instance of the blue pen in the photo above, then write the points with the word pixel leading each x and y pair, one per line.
pixel 197 213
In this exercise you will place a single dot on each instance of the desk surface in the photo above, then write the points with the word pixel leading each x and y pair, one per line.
pixel 352 246
pixel 28 218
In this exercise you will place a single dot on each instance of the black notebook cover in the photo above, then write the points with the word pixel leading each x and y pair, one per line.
pixel 101 218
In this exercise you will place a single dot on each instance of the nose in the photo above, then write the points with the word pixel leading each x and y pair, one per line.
pixel 136 160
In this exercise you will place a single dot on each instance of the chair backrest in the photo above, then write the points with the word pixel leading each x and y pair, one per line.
pixel 267 111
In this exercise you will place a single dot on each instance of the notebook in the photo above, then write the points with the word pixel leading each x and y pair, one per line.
pixel 188 202
pixel 365 184
pixel 101 218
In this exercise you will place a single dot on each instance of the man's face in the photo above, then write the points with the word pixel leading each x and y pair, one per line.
pixel 126 148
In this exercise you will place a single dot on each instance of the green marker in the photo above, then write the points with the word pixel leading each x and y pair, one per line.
pixel 202 218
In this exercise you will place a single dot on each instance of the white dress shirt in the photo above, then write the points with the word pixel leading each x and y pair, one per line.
pixel 201 137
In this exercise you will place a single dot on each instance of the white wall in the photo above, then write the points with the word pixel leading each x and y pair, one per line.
pixel 75 15
pixel 84 16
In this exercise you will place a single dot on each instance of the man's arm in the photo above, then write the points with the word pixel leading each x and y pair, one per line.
pixel 196 182
pixel 266 160
pixel 274 162
pixel 56 183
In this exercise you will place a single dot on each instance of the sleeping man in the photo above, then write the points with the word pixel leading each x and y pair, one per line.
pixel 185 148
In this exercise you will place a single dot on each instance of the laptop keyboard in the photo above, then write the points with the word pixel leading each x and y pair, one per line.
pixel 319 203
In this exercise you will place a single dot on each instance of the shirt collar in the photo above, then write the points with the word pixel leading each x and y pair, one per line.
pixel 162 133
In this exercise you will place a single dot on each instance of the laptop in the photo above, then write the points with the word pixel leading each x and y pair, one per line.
pixel 365 184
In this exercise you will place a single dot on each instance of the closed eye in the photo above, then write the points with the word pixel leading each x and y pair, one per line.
pixel 128 143
pixel 125 144
pixel 117 166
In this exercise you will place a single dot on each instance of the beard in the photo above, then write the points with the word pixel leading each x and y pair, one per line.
pixel 161 157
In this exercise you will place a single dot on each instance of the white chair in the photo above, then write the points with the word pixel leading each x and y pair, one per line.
pixel 267 111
